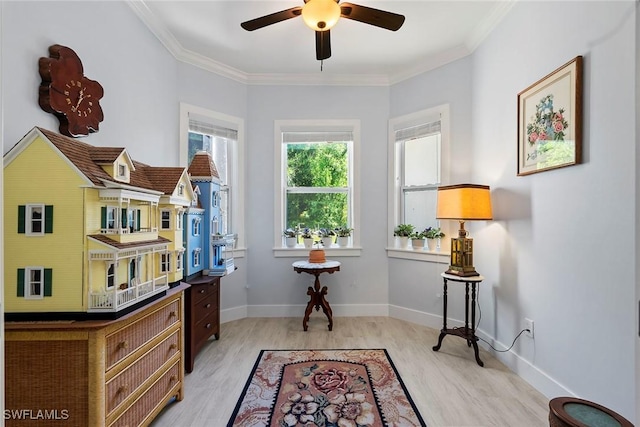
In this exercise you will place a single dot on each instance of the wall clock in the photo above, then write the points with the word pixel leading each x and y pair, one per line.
pixel 68 94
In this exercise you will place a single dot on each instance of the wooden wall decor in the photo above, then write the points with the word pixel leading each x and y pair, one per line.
pixel 68 94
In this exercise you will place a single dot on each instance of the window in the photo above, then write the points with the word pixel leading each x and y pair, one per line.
pixel 318 163
pixel 108 217
pixel 196 226
pixel 179 219
pixel 179 261
pixel 122 171
pixel 132 272
pixel 165 263
pixel 165 220
pixel 35 282
pixel 418 166
pixel 181 190
pixel 196 257
pixel 132 219
pixel 35 219
pixel 110 275
pixel 223 137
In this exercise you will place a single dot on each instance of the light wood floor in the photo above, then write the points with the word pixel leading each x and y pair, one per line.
pixel 448 387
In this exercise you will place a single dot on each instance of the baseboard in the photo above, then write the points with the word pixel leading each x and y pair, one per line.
pixel 339 310
pixel 234 313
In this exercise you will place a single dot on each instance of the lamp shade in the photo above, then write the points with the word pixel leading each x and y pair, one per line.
pixel 321 15
pixel 464 202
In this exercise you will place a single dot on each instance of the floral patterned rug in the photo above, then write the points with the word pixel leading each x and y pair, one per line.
pixel 325 388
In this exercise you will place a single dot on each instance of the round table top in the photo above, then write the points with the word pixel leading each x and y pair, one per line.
pixel 316 265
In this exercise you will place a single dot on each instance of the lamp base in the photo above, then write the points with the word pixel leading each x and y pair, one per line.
pixel 466 272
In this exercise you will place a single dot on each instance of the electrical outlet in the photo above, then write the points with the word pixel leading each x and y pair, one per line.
pixel 528 324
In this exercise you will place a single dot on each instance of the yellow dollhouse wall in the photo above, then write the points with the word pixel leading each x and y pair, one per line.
pixel 39 175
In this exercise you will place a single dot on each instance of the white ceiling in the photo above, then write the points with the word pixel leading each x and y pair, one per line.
pixel 208 34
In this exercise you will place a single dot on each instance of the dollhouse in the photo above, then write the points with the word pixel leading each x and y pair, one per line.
pixel 89 232
pixel 209 251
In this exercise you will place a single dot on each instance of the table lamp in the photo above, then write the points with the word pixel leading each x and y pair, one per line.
pixel 463 202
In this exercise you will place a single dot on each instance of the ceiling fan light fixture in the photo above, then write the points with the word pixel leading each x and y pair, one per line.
pixel 321 15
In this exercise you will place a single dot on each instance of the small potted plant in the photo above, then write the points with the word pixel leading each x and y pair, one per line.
pixel 343 234
pixel 307 237
pixel 326 236
pixel 417 239
pixel 402 232
pixel 433 234
pixel 290 237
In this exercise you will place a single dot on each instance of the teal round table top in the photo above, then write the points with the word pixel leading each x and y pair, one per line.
pixel 589 415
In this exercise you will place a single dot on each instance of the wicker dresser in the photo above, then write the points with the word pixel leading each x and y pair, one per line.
pixel 202 314
pixel 98 372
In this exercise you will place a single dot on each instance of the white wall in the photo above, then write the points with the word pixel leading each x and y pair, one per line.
pixel 561 250
pixel 361 281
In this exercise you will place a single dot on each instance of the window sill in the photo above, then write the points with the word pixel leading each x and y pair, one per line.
pixel 419 255
pixel 298 252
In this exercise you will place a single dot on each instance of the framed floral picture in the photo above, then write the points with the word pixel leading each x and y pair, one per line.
pixel 550 121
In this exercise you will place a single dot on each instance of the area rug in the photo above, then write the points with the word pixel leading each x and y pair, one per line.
pixel 325 388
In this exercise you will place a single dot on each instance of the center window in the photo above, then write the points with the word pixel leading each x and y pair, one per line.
pixel 317 170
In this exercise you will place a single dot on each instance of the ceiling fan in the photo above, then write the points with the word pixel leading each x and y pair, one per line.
pixel 322 15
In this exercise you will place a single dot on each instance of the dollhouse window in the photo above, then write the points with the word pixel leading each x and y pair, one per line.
pixel 196 226
pixel 110 218
pixel 178 261
pixel 133 220
pixel 35 282
pixel 196 257
pixel 111 276
pixel 165 220
pixel 179 219
pixel 35 219
pixel 181 190
pixel 165 263
pixel 122 171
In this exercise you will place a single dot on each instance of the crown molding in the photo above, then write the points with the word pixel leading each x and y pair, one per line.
pixel 325 79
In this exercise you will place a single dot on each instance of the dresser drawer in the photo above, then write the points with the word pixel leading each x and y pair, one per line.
pixel 204 329
pixel 204 308
pixel 205 290
pixel 148 403
pixel 128 339
pixel 126 382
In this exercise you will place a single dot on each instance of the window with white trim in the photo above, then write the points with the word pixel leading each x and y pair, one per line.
pixel 165 263
pixel 179 219
pixel 122 171
pixel 318 168
pixel 165 220
pixel 111 275
pixel 111 214
pixel 419 158
pixel 196 257
pixel 34 283
pixel 35 219
pixel 178 261
pixel 223 137
pixel 196 226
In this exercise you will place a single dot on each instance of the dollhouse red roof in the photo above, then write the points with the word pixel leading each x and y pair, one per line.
pixel 203 166
pixel 88 159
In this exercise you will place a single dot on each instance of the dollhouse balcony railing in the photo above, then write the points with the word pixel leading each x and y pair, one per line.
pixel 127 230
pixel 118 299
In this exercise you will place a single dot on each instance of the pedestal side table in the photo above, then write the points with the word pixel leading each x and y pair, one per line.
pixel 316 294
pixel 466 332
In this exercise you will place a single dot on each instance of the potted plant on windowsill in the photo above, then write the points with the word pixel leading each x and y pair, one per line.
pixel 417 239
pixel 343 234
pixel 307 237
pixel 433 234
pixel 402 232
pixel 290 237
pixel 326 236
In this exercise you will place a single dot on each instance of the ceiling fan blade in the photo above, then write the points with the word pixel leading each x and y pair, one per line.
pixel 273 18
pixel 323 45
pixel 368 15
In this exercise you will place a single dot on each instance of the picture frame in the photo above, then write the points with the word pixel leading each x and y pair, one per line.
pixel 550 121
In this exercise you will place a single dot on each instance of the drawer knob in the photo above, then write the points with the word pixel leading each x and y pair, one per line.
pixel 207 306
pixel 122 389
pixel 173 346
pixel 122 345
pixel 202 291
pixel 173 314
pixel 208 325
pixel 172 378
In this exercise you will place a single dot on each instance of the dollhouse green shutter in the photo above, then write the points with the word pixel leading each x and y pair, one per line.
pixel 103 217
pixel 48 282
pixel 21 282
pixel 138 220
pixel 48 219
pixel 124 223
pixel 21 214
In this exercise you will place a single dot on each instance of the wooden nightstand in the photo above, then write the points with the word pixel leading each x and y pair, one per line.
pixel 202 315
